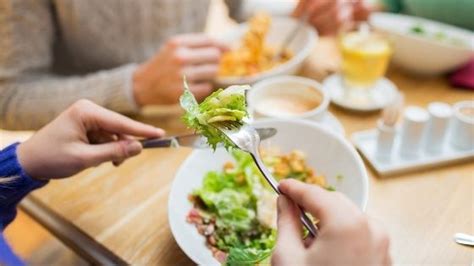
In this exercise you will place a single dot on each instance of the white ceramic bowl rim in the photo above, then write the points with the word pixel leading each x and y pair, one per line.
pixel 349 147
pixel 321 108
pixel 181 236
pixel 422 38
pixel 299 56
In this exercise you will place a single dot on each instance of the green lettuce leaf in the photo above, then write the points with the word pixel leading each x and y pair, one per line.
pixel 221 105
pixel 247 256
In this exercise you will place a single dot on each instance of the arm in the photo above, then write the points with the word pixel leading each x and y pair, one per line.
pixel 30 96
pixel 15 184
pixel 83 136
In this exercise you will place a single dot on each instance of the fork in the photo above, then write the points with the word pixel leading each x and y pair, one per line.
pixel 291 35
pixel 246 138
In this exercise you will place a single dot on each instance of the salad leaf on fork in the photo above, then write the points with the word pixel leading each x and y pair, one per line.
pixel 222 106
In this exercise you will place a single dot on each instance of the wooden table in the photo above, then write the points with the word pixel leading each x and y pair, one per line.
pixel 125 208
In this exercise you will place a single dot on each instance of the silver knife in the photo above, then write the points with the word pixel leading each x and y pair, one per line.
pixel 194 140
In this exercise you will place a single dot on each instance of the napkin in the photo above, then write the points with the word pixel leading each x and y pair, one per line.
pixel 464 77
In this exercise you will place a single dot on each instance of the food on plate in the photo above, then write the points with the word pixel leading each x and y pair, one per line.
pixel 441 36
pixel 235 209
pixel 253 55
pixel 221 106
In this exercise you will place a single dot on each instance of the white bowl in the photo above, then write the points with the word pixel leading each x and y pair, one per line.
pixel 419 54
pixel 301 46
pixel 327 152
pixel 288 86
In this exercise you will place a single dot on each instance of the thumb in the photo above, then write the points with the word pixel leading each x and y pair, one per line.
pixel 289 240
pixel 112 151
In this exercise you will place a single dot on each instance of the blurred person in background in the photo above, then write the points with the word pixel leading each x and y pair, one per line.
pixel 329 16
pixel 120 54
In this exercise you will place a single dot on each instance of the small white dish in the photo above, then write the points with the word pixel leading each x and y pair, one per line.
pixel 331 122
pixel 378 97
pixel 420 53
pixel 330 154
pixel 301 46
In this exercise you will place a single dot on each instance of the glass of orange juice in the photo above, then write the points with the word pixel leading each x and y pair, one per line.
pixel 365 57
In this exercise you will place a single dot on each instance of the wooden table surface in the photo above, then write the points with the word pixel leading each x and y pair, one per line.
pixel 125 208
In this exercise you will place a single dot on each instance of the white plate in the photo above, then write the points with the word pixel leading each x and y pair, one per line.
pixel 301 46
pixel 377 98
pixel 329 153
pixel 331 122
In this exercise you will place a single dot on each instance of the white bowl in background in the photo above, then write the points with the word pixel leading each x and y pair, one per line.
pixel 301 46
pixel 327 152
pixel 420 54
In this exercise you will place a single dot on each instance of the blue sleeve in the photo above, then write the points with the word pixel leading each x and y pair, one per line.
pixel 15 184
pixel 7 256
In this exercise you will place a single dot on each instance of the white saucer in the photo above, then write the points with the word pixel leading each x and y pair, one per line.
pixel 328 121
pixel 377 98
pixel 331 122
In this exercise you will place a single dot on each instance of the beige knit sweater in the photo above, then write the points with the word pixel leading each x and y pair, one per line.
pixel 54 52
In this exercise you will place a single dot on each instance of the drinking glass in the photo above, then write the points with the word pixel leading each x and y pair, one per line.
pixel 365 57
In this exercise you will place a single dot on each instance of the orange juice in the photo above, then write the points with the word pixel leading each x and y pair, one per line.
pixel 365 57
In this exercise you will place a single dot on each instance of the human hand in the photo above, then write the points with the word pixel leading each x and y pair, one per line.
pixel 328 16
pixel 346 235
pixel 83 136
pixel 160 80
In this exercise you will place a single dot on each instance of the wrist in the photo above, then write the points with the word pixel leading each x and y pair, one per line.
pixel 28 161
pixel 139 85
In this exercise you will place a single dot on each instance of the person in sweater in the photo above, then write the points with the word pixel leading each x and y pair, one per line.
pixel 86 135
pixel 120 54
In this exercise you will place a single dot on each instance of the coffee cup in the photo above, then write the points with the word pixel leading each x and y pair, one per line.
pixel 288 97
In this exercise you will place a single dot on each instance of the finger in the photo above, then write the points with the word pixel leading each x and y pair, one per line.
pixel 289 242
pixel 330 20
pixel 98 137
pixel 206 55
pixel 95 117
pixel 201 90
pixel 317 7
pixel 115 151
pixel 299 9
pixel 201 72
pixel 381 242
pixel 311 198
pixel 120 161
pixel 289 225
pixel 195 40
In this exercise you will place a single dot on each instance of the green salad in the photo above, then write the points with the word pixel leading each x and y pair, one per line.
pixel 220 106
pixel 235 209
